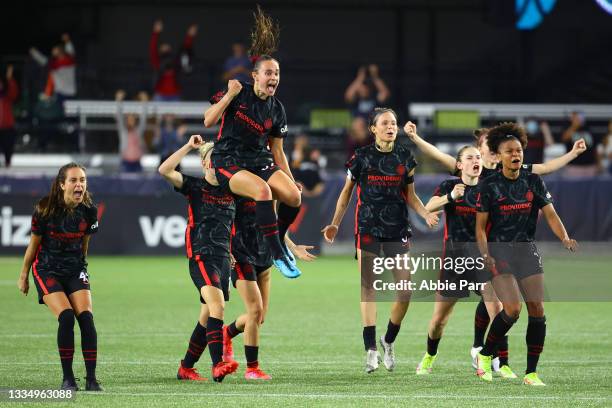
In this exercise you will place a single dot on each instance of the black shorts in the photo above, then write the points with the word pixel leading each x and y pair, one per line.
pixel 47 281
pixel 521 259
pixel 210 271
pixel 246 271
pixel 388 246
pixel 460 278
pixel 224 174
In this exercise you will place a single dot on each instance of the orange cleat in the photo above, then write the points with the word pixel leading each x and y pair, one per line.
pixel 228 350
pixel 191 374
pixel 255 373
pixel 223 368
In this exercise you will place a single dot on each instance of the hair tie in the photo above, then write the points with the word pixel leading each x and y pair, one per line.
pixel 254 59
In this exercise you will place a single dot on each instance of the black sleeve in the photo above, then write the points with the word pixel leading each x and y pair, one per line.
pixel 217 96
pixel 541 196
pixel 279 127
pixel 39 225
pixel 92 220
pixel 442 189
pixel 527 167
pixel 353 167
pixel 483 202
pixel 188 184
pixel 410 162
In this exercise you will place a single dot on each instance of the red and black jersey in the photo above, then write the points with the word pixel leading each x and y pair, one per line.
pixel 246 125
pixel 460 214
pixel 211 214
pixel 513 206
pixel 487 172
pixel 248 245
pixel 381 179
pixel 61 247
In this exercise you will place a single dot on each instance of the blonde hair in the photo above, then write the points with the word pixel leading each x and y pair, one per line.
pixel 205 148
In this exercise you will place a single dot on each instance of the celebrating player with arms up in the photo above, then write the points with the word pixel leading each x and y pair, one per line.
pixel 384 174
pixel 249 151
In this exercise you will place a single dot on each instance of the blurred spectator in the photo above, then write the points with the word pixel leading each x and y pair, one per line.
pixel 607 149
pixel 8 96
pixel 360 96
pixel 150 130
pixel 588 164
pixel 306 165
pixel 357 135
pixel 539 137
pixel 169 137
pixel 167 65
pixel 130 130
pixel 61 78
pixel 238 66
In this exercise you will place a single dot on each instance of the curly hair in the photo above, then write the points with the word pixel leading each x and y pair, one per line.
pixel 264 38
pixel 503 132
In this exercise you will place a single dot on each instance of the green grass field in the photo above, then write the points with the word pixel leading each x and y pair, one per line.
pixel 145 309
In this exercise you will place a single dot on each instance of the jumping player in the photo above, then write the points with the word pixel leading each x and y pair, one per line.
pixel 251 276
pixel 384 174
pixel 207 240
pixel 508 208
pixel 62 225
pixel 249 148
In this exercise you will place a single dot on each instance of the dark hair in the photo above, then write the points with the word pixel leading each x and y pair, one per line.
pixel 54 203
pixel 376 114
pixel 479 135
pixel 503 132
pixel 457 172
pixel 264 38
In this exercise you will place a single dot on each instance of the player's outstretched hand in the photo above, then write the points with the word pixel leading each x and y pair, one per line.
pixel 329 232
pixel 411 130
pixel 432 219
pixel 24 285
pixel 233 87
pixel 489 262
pixel 579 147
pixel 458 191
pixel 570 244
pixel 195 141
pixel 301 251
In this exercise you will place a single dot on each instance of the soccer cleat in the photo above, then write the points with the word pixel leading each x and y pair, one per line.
pixel 506 372
pixel 69 384
pixel 533 379
pixel 289 255
pixel 287 268
pixel 389 354
pixel 91 384
pixel 484 367
pixel 372 360
pixel 255 373
pixel 228 350
pixel 474 353
pixel 495 364
pixel 426 364
pixel 223 368
pixel 191 374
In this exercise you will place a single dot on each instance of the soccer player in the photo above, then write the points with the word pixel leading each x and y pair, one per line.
pixel 508 206
pixel 62 225
pixel 207 240
pixel 457 196
pixel 485 311
pixel 384 174
pixel 249 148
pixel 251 276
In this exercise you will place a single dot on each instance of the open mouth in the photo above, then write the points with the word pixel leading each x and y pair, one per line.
pixel 78 194
pixel 271 87
pixel 516 161
pixel 476 167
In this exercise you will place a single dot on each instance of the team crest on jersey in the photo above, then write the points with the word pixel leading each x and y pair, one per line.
pixel 529 195
pixel 366 239
pixel 82 225
pixel 400 169
pixel 50 282
pixel 268 123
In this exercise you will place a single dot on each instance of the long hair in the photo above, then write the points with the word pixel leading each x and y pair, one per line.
pixel 457 172
pixel 505 131
pixel 264 38
pixel 376 114
pixel 54 204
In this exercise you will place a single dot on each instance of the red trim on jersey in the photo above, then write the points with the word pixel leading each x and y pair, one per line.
pixel 225 173
pixel 358 241
pixel 357 209
pixel 35 272
pixel 221 127
pixel 188 232
pixel 239 271
pixel 203 271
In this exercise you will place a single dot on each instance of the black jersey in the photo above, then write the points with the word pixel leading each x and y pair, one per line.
pixel 246 125
pixel 460 225
pixel 61 247
pixel 487 172
pixel 513 206
pixel 247 242
pixel 211 214
pixel 381 179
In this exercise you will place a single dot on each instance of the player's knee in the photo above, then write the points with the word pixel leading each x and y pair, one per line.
pixel 256 314
pixel 216 310
pixel 513 310
pixel 262 192
pixel 294 199
pixel 66 318
pixel 535 309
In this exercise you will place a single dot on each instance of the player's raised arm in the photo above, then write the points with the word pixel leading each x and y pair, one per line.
pixel 168 168
pixel 561 161
pixel 330 231
pixel 23 283
pixel 438 201
pixel 215 111
pixel 428 149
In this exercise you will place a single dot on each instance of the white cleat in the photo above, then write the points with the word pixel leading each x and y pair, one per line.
pixel 372 361
pixel 389 356
pixel 495 365
pixel 474 353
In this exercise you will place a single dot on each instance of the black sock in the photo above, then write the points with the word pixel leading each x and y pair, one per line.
pixel 232 330
pixel 65 341
pixel 214 337
pixel 502 351
pixel 481 322
pixel 268 226
pixel 392 330
pixel 89 343
pixel 432 345
pixel 251 352
pixel 500 326
pixel 197 344
pixel 286 216
pixel 369 337
pixel 536 333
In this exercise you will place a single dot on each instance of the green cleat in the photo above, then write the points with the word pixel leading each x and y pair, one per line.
pixel 506 372
pixel 484 367
pixel 533 379
pixel 426 364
